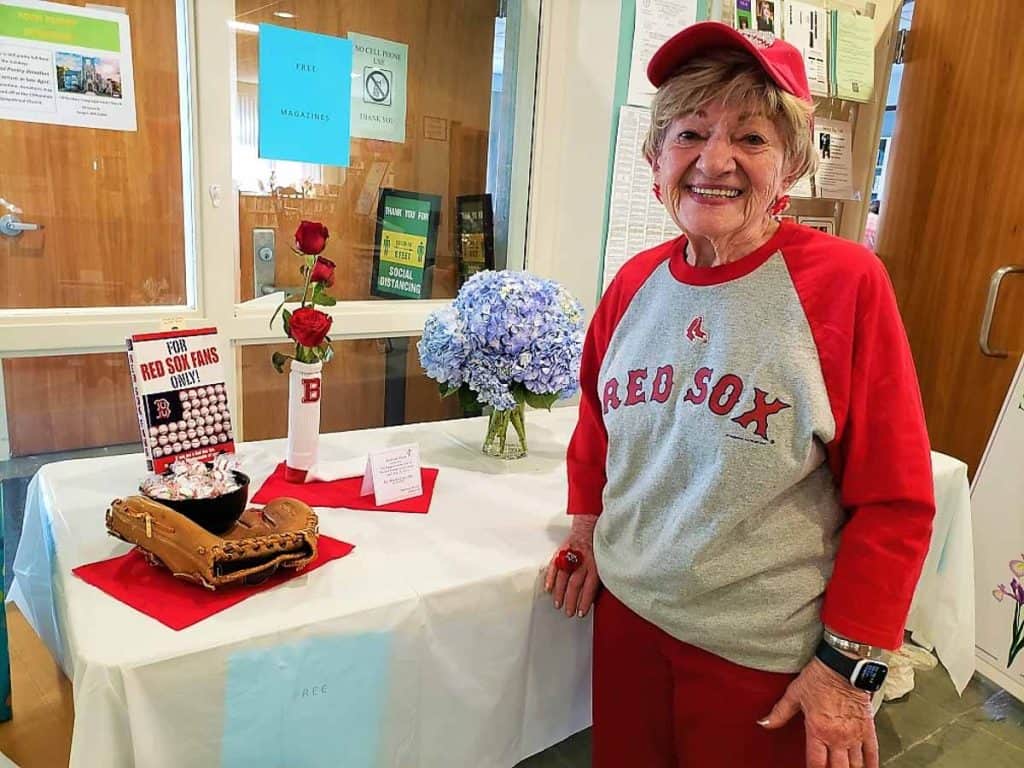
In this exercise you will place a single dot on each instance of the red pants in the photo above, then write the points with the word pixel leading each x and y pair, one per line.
pixel 660 703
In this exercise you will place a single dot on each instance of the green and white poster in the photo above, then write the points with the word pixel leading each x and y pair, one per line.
pixel 66 65
pixel 406 244
pixel 380 71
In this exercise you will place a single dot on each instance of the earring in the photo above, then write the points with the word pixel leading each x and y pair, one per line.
pixel 779 206
pixel 656 189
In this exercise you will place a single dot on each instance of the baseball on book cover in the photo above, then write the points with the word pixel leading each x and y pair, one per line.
pixel 182 403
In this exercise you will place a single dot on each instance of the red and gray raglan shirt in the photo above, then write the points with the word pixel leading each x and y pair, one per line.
pixel 752 438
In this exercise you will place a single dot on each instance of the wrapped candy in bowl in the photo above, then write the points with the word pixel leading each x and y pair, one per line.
pixel 212 495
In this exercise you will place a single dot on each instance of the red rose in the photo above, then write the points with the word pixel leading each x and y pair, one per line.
pixel 309 326
pixel 311 237
pixel 323 271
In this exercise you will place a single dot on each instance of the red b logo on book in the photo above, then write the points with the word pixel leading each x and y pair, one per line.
pixel 696 332
pixel 163 409
pixel 311 390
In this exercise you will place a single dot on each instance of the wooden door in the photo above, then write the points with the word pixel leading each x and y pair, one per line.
pixel 112 209
pixel 110 201
pixel 953 212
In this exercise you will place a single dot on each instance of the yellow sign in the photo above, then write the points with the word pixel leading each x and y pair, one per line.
pixel 401 248
pixel 473 248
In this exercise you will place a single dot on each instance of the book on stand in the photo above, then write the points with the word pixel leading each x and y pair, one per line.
pixel 180 396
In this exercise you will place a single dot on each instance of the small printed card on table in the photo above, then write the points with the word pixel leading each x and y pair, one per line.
pixel 393 474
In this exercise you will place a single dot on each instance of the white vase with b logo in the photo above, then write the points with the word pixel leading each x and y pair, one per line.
pixel 304 389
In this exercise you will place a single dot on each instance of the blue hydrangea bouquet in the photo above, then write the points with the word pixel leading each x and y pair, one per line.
pixel 510 339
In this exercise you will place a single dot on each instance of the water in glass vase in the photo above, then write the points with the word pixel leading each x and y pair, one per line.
pixel 506 433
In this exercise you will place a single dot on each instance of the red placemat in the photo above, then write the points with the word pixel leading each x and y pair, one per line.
pixel 343 493
pixel 179 604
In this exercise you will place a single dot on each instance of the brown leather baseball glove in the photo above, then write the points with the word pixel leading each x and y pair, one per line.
pixel 281 535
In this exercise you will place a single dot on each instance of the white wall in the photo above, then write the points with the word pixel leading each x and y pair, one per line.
pixel 572 134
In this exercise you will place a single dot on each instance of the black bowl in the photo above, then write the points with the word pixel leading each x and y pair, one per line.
pixel 218 514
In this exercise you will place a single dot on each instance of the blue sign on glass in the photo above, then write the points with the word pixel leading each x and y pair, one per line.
pixel 315 703
pixel 305 95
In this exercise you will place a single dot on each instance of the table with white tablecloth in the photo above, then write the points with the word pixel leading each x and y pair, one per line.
pixel 942 612
pixel 432 644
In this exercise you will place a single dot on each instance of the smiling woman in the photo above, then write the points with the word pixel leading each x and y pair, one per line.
pixel 727 433
pixel 725 143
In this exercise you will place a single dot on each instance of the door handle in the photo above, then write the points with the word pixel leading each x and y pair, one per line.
pixel 12 226
pixel 990 308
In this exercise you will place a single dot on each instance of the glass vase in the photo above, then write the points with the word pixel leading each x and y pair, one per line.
pixel 506 433
pixel 303 419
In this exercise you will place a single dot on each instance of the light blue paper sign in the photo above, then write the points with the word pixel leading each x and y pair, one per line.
pixel 305 96
pixel 315 703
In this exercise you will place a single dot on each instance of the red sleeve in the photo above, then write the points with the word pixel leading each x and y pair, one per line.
pixel 880 454
pixel 588 448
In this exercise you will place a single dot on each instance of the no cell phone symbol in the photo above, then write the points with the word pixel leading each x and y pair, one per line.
pixel 377 86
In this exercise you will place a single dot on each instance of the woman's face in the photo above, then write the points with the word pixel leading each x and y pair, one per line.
pixel 720 170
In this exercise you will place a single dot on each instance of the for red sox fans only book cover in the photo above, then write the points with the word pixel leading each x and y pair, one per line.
pixel 182 403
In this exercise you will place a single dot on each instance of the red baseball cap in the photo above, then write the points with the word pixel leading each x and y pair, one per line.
pixel 781 61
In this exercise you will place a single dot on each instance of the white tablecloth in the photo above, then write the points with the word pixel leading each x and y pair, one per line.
pixel 432 644
pixel 942 613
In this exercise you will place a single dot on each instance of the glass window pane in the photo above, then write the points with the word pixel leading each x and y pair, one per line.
pixel 460 110
pixel 369 383
pixel 111 202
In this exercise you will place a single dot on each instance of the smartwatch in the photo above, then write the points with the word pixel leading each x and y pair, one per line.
pixel 865 674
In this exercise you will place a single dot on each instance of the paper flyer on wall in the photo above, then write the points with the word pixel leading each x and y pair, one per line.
pixel 636 220
pixel 852 53
pixel 722 10
pixel 744 18
pixel 305 85
pixel 66 65
pixel 835 166
pixel 802 188
pixel 806 27
pixel 380 70
pixel 768 16
pixel 180 396
pixel 655 22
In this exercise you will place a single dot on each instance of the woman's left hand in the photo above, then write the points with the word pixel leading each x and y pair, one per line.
pixel 837 717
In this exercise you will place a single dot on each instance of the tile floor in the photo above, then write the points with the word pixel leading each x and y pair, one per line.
pixel 930 727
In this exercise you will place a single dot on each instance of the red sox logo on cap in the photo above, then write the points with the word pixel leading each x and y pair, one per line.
pixel 760 39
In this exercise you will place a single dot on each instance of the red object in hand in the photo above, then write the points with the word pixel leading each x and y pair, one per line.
pixel 568 559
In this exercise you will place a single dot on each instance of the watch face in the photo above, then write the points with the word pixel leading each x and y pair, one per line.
pixel 871 676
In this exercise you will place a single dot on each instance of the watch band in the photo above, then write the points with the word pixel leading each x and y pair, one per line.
pixel 851 646
pixel 865 674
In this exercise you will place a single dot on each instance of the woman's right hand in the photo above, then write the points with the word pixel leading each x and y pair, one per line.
pixel 574 593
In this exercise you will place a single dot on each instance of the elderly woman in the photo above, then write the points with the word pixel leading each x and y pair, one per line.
pixel 750 475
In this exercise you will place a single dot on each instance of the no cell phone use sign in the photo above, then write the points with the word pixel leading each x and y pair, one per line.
pixel 379 77
pixel 377 86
